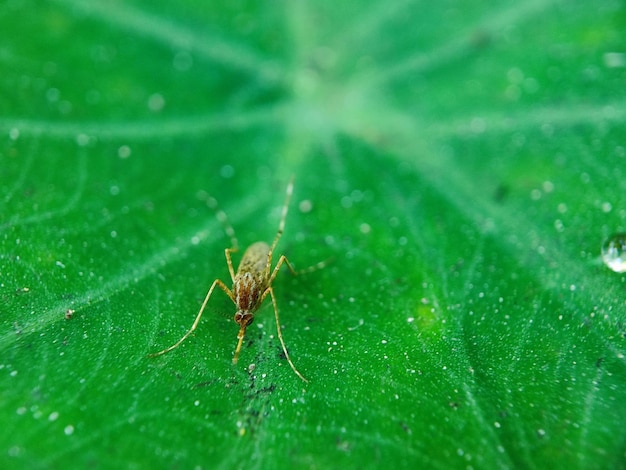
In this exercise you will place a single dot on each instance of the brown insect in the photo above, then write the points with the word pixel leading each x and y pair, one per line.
pixel 251 284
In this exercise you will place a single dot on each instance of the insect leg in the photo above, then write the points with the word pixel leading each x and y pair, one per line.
pixel 283 217
pixel 315 267
pixel 281 260
pixel 222 286
pixel 223 218
pixel 229 262
pixel 280 334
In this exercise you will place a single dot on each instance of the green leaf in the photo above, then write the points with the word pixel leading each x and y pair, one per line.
pixel 459 163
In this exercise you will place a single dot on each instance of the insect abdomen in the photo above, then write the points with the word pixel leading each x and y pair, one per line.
pixel 254 259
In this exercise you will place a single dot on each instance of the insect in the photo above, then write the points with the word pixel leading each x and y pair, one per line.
pixel 252 283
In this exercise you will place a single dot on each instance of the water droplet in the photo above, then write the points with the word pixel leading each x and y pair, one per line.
pixel 156 102
pixel 124 151
pixel 614 252
pixel 305 206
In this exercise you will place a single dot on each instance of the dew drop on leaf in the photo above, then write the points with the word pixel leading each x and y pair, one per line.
pixel 614 252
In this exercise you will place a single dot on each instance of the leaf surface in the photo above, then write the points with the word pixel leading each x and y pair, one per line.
pixel 458 165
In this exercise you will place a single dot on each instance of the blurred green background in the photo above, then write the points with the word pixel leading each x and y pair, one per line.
pixel 461 162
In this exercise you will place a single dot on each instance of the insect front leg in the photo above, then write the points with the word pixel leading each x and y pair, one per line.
pixel 222 286
pixel 270 291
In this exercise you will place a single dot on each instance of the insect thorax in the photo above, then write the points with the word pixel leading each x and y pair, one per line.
pixel 247 290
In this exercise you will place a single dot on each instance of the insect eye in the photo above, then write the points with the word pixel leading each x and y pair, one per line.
pixel 244 318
